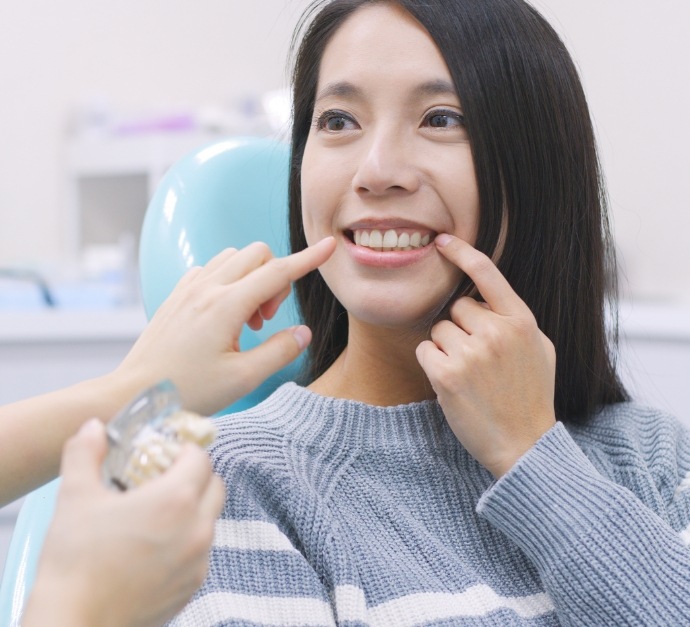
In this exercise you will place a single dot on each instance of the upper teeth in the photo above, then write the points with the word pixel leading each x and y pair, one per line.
pixel 390 239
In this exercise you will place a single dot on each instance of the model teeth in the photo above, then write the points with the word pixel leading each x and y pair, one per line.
pixel 390 239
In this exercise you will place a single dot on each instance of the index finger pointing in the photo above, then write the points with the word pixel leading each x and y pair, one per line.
pixel 300 263
pixel 492 285
pixel 276 275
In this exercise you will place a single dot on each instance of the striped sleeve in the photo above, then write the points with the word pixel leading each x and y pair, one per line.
pixel 604 555
pixel 256 576
pixel 258 573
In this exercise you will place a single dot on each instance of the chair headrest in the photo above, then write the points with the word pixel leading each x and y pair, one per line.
pixel 229 193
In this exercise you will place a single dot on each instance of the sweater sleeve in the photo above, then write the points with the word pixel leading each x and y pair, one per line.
pixel 256 577
pixel 603 555
pixel 258 574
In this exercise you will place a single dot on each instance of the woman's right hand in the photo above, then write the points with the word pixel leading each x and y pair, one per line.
pixel 193 339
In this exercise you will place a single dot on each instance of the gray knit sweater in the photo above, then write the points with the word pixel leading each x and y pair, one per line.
pixel 343 513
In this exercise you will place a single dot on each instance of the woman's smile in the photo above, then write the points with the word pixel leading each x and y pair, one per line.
pixel 389 243
pixel 388 239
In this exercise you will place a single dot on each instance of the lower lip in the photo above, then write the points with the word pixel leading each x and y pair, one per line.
pixel 388 259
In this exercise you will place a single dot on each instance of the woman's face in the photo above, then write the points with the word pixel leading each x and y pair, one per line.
pixel 386 167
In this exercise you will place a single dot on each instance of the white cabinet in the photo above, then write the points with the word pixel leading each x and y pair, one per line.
pixel 110 180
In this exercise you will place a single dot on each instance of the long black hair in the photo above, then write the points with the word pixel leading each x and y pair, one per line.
pixel 536 166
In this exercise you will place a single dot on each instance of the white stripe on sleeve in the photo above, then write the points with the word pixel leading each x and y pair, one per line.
pixel 251 535
pixel 218 607
pixel 479 600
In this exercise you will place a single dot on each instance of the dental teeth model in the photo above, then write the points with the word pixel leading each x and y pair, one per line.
pixel 156 448
pixel 147 436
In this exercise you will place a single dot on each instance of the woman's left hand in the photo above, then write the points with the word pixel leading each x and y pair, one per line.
pixel 491 367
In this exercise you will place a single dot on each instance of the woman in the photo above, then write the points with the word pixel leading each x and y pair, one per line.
pixel 463 452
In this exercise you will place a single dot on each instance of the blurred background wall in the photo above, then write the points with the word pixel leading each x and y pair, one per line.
pixel 60 61
pixel 67 63
pixel 66 67
pixel 633 57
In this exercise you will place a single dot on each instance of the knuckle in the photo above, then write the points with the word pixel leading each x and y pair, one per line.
pixel 420 352
pixel 549 348
pixel 263 248
pixel 460 305
pixel 525 325
pixel 279 265
pixel 207 534
pixel 189 276
pixel 462 308
pixel 287 348
pixel 446 376
pixel 440 328
pixel 201 296
pixel 494 338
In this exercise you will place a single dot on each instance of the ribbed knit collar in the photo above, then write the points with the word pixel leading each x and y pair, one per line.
pixel 311 417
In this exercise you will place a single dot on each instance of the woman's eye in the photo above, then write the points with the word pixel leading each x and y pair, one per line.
pixel 445 119
pixel 335 121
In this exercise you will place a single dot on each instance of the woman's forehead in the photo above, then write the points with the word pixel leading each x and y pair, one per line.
pixel 380 42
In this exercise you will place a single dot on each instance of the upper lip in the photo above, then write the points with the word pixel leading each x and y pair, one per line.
pixel 386 224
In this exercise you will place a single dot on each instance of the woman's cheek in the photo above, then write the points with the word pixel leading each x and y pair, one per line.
pixel 315 203
pixel 315 222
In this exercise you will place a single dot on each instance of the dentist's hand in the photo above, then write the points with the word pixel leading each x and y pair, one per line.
pixel 193 339
pixel 491 367
pixel 125 559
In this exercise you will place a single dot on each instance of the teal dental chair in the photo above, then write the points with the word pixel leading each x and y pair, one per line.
pixel 229 193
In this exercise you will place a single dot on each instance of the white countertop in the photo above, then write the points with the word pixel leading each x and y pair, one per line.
pixel 638 320
pixel 643 320
pixel 71 325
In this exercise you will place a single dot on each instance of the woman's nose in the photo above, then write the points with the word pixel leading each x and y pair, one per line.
pixel 385 166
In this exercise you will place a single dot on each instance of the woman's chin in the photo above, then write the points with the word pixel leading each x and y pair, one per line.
pixel 394 314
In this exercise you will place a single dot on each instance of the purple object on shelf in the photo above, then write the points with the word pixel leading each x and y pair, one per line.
pixel 167 123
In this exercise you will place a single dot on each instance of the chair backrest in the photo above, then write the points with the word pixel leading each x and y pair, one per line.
pixel 229 193
pixel 25 547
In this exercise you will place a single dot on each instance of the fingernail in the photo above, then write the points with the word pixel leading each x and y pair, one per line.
pixel 442 239
pixel 91 427
pixel 302 335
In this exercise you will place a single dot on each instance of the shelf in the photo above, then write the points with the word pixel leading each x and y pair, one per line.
pixel 131 154
pixel 111 179
pixel 66 326
pixel 655 321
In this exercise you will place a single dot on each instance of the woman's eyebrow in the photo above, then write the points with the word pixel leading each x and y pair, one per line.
pixel 345 89
pixel 340 89
pixel 439 87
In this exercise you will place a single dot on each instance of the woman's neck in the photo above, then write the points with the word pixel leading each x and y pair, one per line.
pixel 378 367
